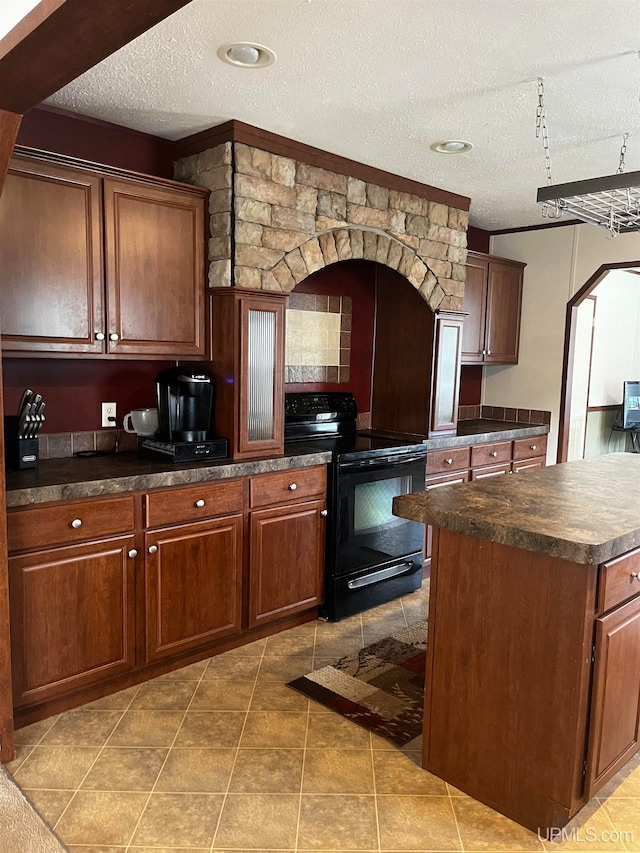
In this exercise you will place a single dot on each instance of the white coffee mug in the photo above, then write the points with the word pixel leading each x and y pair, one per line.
pixel 141 421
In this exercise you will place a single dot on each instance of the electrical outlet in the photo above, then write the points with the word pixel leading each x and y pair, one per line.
pixel 108 414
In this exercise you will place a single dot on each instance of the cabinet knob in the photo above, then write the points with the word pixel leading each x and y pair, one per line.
pixel 494 453
pixel 99 336
pixel 153 549
pixel 199 503
pixel 293 487
pixel 133 553
pixel 76 523
pixel 323 513
pixel 114 336
pixel 449 461
pixel 484 352
pixel 636 575
pixel 488 352
pixel 534 447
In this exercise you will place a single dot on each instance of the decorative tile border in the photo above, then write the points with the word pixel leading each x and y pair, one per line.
pixel 339 372
pixel 503 413
pixel 63 445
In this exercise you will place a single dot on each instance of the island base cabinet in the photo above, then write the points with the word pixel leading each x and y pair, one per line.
pixel 616 695
pixel 193 585
pixel 287 561
pixel 72 617
pixel 508 676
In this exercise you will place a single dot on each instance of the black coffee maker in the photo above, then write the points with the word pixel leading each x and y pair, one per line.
pixel 185 401
pixel 184 404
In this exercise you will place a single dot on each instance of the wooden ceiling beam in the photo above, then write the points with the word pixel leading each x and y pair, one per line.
pixel 61 39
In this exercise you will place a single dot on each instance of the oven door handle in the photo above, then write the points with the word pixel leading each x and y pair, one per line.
pixel 384 462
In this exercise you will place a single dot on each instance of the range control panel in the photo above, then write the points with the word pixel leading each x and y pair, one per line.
pixel 328 406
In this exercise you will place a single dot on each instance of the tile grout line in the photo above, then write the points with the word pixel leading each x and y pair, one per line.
pixel 455 816
pixel 91 766
pixel 235 758
pixel 375 791
pixel 153 787
pixel 306 738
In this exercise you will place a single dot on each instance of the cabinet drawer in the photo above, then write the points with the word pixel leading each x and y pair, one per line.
pixel 297 485
pixel 491 471
pixel 441 461
pixel 617 582
pixel 69 522
pixel 172 506
pixel 446 480
pixel 524 448
pixel 490 454
pixel 526 464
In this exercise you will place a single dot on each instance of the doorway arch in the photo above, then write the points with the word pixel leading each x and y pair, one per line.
pixel 568 364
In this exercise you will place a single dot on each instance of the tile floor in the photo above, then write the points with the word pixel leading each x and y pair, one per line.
pixel 220 755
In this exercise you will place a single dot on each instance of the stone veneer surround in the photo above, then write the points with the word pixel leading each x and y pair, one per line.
pixel 275 220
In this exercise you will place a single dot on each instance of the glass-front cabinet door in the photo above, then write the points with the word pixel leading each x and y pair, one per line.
pixel 445 390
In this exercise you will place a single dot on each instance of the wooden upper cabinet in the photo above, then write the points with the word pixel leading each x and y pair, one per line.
pixel 445 388
pixel 475 307
pixel 154 251
pixel 504 303
pixel 492 303
pixel 92 262
pixel 51 291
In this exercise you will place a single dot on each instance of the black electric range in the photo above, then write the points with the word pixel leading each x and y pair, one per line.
pixel 371 555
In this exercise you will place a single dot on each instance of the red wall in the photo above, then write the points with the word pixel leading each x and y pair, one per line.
pixel 56 130
pixel 73 390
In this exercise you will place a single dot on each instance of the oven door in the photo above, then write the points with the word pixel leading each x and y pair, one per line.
pixel 367 532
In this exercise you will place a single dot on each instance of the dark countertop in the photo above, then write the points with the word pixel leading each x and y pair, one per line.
pixel 59 479
pixel 586 511
pixel 482 431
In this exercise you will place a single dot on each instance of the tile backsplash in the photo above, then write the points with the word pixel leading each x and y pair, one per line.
pixel 62 445
pixel 503 413
pixel 318 338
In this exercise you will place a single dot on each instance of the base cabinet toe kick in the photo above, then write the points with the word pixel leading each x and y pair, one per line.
pixel 533 676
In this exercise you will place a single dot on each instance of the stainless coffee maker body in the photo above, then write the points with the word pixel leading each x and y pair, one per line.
pixel 185 399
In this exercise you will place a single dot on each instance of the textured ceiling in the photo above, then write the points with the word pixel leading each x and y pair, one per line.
pixel 379 81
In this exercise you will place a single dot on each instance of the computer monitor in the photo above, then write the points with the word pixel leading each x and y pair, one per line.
pixel 631 405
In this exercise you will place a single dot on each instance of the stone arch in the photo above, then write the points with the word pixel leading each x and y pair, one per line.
pixel 351 243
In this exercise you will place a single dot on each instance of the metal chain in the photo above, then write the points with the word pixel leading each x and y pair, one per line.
pixel 623 151
pixel 550 210
pixel 541 129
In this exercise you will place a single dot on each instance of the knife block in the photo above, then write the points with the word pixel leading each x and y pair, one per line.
pixel 18 452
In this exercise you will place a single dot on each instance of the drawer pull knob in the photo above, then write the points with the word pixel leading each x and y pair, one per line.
pixel 153 549
pixel 293 487
pixel 494 453
pixel 199 503
pixel 114 336
pixel 534 447
pixel 76 523
pixel 449 461
pixel 323 513
pixel 636 575
pixel 133 553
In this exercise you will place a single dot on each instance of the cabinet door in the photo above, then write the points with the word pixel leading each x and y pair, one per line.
pixel 261 373
pixel 446 375
pixel 193 585
pixel 526 464
pixel 615 701
pixel 438 483
pixel 504 303
pixel 72 617
pixel 154 250
pixel 51 288
pixel 474 305
pixel 287 561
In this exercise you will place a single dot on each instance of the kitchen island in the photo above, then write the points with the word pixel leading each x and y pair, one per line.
pixel 532 694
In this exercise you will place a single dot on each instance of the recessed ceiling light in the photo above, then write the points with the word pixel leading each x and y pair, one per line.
pixel 451 146
pixel 246 54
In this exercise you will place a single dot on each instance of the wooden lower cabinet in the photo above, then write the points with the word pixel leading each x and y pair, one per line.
pixel 286 560
pixel 72 617
pixel 193 585
pixel 615 717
